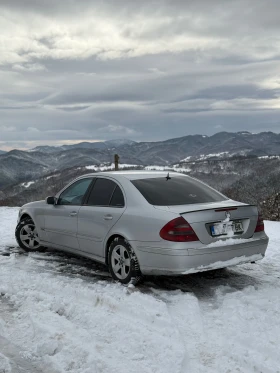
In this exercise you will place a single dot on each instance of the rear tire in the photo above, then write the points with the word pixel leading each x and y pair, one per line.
pixel 27 236
pixel 123 263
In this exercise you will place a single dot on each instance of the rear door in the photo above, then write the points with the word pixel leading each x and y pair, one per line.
pixel 99 214
pixel 61 220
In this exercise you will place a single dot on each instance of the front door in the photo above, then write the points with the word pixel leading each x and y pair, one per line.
pixel 99 214
pixel 61 220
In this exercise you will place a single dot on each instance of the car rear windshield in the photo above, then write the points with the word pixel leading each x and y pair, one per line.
pixel 182 190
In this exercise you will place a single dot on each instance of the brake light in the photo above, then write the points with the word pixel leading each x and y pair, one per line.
pixel 260 224
pixel 178 230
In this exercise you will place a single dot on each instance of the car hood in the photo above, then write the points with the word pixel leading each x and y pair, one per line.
pixel 34 204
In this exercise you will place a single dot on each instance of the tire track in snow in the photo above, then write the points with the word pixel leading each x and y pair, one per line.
pixel 14 362
pixel 234 331
pixel 187 316
pixel 228 323
pixel 11 360
pixel 109 330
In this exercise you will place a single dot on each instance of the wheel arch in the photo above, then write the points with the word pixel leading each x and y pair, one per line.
pixel 108 243
pixel 134 271
pixel 24 220
pixel 25 216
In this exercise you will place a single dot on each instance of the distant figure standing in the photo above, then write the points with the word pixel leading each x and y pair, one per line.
pixel 117 162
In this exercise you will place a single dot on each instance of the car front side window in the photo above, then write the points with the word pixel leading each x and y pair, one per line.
pixel 75 193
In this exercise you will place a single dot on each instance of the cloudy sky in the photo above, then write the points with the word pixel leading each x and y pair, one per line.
pixel 89 70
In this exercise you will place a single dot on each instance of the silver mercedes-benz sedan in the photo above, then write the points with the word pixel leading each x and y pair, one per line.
pixel 141 223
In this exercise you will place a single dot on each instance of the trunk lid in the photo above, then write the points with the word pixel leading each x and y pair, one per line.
pixel 219 220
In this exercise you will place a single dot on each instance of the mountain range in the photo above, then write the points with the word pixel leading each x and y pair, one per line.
pixel 104 145
pixel 19 166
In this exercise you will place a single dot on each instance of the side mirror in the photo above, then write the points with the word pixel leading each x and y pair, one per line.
pixel 51 200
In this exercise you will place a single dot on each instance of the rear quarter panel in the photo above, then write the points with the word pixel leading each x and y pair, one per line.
pixel 143 225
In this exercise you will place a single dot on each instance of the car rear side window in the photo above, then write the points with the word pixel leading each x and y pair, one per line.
pixel 102 193
pixel 178 190
pixel 117 199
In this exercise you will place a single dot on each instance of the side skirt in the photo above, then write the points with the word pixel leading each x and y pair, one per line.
pixel 73 251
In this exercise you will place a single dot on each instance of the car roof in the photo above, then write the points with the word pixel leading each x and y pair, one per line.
pixel 134 175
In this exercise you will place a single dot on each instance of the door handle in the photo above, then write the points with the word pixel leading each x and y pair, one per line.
pixel 73 213
pixel 108 217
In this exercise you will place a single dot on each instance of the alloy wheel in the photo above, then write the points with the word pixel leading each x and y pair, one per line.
pixel 121 262
pixel 29 237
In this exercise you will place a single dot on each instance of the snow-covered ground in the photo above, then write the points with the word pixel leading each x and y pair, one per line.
pixel 64 314
pixel 27 184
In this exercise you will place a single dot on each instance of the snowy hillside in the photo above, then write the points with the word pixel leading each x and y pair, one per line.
pixel 63 314
pixel 19 166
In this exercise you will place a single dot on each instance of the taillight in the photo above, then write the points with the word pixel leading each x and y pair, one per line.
pixel 178 230
pixel 260 224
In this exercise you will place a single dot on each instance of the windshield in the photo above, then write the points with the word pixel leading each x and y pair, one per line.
pixel 178 190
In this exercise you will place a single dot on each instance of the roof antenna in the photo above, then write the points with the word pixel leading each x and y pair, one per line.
pixel 168 177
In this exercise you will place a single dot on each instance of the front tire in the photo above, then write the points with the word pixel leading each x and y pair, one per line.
pixel 123 264
pixel 27 236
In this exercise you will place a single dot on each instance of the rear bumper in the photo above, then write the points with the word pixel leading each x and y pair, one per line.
pixel 158 261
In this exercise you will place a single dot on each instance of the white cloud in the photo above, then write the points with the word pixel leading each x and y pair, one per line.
pixel 99 32
pixel 23 39
pixel 272 82
pixel 75 70
pixel 32 129
pixel 32 67
pixel 120 130
pixel 156 71
pixel 7 129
